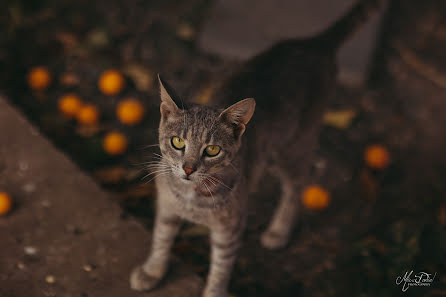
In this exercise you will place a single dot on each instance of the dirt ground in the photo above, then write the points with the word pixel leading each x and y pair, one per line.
pixel 379 224
pixel 58 240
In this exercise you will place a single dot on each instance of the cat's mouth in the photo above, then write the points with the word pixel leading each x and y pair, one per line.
pixel 205 187
pixel 187 179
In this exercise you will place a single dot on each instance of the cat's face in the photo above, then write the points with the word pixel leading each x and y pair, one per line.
pixel 199 142
pixel 195 142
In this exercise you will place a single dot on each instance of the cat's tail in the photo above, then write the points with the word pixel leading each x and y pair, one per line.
pixel 346 26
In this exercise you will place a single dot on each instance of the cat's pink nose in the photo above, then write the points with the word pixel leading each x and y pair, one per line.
pixel 188 170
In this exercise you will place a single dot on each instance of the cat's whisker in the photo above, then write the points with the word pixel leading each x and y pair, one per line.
pixel 149 162
pixel 155 172
pixel 154 167
pixel 158 155
pixel 155 162
pixel 220 182
pixel 213 179
pixel 154 177
pixel 233 167
pixel 148 175
pixel 148 146
pixel 160 174
pixel 156 158
pixel 213 199
pixel 210 180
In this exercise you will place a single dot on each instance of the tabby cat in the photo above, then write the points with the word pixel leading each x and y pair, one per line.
pixel 209 165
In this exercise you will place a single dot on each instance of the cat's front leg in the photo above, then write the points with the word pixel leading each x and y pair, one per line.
pixel 224 247
pixel 148 275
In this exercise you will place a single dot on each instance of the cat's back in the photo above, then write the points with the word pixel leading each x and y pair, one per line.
pixel 290 78
pixel 291 83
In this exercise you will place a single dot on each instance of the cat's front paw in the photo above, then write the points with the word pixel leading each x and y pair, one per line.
pixel 215 293
pixel 273 240
pixel 141 281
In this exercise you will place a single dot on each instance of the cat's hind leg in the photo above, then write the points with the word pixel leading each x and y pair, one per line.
pixel 278 232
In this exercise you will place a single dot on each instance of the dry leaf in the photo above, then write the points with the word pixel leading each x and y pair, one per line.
pixel 340 119
pixel 133 174
pixel 368 185
pixel 186 31
pixel 88 130
pixel 142 77
pixel 205 95
pixel 139 191
pixel 68 40
pixel 441 215
pixel 69 79
pixel 110 175
pixel 98 38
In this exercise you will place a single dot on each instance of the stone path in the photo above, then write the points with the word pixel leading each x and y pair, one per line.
pixel 65 236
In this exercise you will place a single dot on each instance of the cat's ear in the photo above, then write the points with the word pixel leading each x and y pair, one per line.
pixel 168 105
pixel 239 114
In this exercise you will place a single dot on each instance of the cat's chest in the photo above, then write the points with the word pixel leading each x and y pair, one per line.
pixel 188 203
pixel 193 207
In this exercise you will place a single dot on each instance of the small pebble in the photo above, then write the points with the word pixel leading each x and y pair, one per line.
pixel 87 268
pixel 29 188
pixel 23 166
pixel 34 131
pixel 46 203
pixel 346 177
pixel 20 266
pixel 320 164
pixel 49 293
pixel 186 31
pixel 30 250
pixel 50 279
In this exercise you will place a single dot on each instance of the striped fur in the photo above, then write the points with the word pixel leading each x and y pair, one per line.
pixel 292 83
pixel 213 195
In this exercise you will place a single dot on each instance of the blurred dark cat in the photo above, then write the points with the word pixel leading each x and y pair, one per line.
pixel 208 168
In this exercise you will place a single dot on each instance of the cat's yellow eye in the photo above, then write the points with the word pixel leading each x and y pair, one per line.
pixel 177 143
pixel 212 150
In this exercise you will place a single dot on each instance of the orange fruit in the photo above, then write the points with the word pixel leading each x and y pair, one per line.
pixel 377 156
pixel 39 78
pixel 69 105
pixel 111 82
pixel 88 115
pixel 5 203
pixel 115 143
pixel 316 198
pixel 130 111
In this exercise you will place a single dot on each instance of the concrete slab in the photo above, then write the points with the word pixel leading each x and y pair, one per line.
pixel 241 29
pixel 65 236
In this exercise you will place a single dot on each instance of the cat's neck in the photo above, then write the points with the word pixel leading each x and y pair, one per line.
pixel 212 192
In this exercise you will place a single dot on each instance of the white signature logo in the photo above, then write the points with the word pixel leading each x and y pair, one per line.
pixel 422 279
